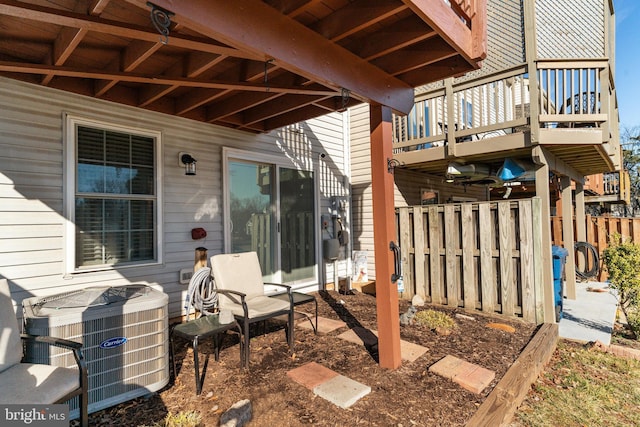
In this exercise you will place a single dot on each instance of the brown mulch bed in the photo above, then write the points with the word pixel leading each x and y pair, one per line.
pixel 407 396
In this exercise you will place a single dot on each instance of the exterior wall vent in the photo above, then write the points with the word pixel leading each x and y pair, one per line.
pixel 185 276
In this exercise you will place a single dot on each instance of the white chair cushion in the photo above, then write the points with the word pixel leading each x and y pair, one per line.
pixel 10 342
pixel 260 306
pixel 240 272
pixel 33 383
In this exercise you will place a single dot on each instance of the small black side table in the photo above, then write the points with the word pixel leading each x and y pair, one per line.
pixel 300 298
pixel 203 327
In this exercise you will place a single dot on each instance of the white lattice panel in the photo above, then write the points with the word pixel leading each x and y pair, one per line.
pixel 570 29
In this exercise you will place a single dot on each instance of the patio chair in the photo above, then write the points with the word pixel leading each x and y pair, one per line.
pixel 241 290
pixel 203 298
pixel 31 383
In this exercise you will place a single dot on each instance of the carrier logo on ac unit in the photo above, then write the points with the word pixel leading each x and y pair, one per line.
pixel 113 342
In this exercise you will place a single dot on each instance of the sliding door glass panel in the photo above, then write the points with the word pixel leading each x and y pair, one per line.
pixel 251 213
pixel 297 243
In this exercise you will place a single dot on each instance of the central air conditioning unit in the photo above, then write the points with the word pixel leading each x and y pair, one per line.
pixel 125 335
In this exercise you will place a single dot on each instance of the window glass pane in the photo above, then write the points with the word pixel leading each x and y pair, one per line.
pixel 118 148
pixel 116 247
pixel 142 244
pixel 90 144
pixel 142 150
pixel 297 205
pixel 142 181
pixel 114 229
pixel 90 178
pixel 117 180
pixel 142 215
pixel 252 216
pixel 88 215
pixel 89 248
pixel 116 215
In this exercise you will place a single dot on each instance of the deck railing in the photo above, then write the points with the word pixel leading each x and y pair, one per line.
pixel 571 94
pixel 478 256
pixel 481 109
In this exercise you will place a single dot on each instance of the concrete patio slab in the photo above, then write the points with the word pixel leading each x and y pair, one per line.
pixel 342 391
pixel 324 325
pixel 591 316
pixel 408 351
pixel 328 384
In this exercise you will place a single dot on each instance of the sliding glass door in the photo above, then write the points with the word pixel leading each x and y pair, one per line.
pixel 297 242
pixel 271 211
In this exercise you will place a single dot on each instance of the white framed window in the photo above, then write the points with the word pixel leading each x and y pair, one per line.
pixel 112 196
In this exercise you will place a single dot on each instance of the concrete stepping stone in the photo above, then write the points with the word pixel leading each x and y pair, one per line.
pixel 408 351
pixel 328 384
pixel 324 325
pixel 469 376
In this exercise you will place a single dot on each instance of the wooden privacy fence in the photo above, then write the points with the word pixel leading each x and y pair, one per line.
pixel 600 230
pixel 481 256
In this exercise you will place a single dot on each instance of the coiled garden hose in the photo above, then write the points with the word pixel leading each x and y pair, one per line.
pixel 587 248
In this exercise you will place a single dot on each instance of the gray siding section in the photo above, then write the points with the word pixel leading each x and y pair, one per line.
pixel 505 41
pixel 362 213
pixel 409 185
pixel 570 29
pixel 32 221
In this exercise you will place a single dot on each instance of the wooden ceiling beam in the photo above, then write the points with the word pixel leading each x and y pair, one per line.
pixel 195 66
pixel 416 57
pixel 448 24
pixel 450 67
pixel 17 67
pixel 238 103
pixel 298 49
pixel 90 23
pixel 69 39
pixel 404 33
pixel 355 17
pixel 277 106
pixel 293 8
pixel 197 98
pixel 298 115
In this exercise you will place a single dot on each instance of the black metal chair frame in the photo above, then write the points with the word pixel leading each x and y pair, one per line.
pixel 246 321
pixel 76 348
pixel 300 298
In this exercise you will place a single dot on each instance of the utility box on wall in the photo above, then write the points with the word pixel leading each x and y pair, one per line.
pixel 330 249
pixel 125 335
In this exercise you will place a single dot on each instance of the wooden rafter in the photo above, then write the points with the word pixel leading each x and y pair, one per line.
pixel 320 60
pixel 14 67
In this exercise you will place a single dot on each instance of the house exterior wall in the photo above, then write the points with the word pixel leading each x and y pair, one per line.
pixel 32 181
pixel 505 41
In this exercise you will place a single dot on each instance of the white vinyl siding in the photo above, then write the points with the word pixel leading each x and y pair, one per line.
pixel 33 227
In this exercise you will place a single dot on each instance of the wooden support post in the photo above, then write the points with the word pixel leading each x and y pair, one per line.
pixel 581 223
pixel 542 191
pixel 567 232
pixel 382 189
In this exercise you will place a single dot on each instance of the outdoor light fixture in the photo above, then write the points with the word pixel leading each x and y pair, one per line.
pixel 189 163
